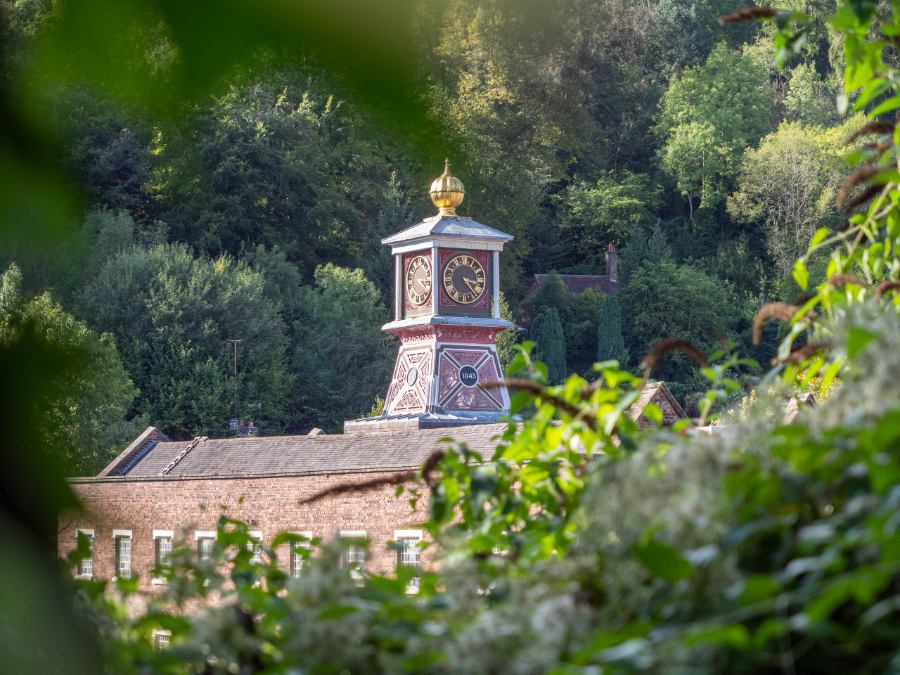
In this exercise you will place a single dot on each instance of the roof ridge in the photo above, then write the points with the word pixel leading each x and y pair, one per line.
pixel 181 455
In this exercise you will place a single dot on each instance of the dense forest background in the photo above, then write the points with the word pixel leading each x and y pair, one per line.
pixel 256 212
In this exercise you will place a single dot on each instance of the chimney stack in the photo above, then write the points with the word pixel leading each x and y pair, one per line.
pixel 612 263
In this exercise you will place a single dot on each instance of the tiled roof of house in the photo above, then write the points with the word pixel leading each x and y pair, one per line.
pixel 577 283
pixel 298 455
pixel 658 393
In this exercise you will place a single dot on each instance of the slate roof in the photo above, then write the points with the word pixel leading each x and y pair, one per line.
pixel 451 226
pixel 577 283
pixel 153 456
pixel 299 455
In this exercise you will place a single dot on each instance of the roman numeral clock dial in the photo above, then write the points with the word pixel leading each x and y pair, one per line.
pixel 464 279
pixel 418 280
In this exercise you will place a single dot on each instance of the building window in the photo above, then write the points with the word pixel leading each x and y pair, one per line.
pixel 161 639
pixel 163 551
pixel 255 545
pixel 409 553
pixel 205 548
pixel 299 553
pixel 206 544
pixel 123 553
pixel 86 566
pixel 353 556
pixel 162 547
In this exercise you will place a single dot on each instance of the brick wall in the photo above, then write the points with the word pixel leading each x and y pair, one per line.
pixel 268 504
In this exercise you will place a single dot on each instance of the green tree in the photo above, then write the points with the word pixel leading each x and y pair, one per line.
pixel 547 333
pixel 658 249
pixel 394 215
pixel 709 115
pixel 604 213
pixel 171 314
pixel 667 300
pixel 283 279
pixel 507 341
pixel 809 100
pixel 110 150
pixel 341 357
pixel 579 317
pixel 644 246
pixel 610 342
pixel 788 186
pixel 85 424
pixel 550 294
pixel 273 162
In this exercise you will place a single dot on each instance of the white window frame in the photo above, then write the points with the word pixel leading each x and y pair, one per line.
pixel 199 537
pixel 401 536
pixel 161 638
pixel 350 548
pixel 255 546
pixel 296 560
pixel 157 557
pixel 118 535
pixel 82 574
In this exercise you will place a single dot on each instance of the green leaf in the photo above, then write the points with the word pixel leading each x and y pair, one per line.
pixel 734 635
pixel 662 560
pixel 653 413
pixel 758 587
pixel 818 237
pixel 857 339
pixel 831 372
pixel 886 106
pixel 337 612
pixel 801 275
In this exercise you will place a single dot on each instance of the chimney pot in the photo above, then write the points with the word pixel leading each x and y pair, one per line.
pixel 612 263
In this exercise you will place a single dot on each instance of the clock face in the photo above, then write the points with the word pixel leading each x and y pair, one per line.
pixel 418 280
pixel 464 279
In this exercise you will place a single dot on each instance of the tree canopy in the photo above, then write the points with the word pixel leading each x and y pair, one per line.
pixel 82 417
pixel 172 314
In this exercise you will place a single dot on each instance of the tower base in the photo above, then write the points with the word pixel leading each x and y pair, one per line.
pixel 447 374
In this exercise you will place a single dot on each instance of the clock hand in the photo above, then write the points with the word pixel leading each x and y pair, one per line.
pixel 471 284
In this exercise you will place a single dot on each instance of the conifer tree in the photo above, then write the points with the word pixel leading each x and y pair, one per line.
pixel 657 248
pixel 547 332
pixel 551 293
pixel 610 342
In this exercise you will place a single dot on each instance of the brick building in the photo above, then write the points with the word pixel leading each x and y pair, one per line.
pixel 134 508
pixel 447 382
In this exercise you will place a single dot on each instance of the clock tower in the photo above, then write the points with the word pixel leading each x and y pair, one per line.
pixel 447 316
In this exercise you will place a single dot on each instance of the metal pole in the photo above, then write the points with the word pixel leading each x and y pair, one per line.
pixel 234 344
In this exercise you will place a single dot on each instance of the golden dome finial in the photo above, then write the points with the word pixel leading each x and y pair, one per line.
pixel 447 192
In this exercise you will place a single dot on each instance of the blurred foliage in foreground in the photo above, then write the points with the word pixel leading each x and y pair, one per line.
pixel 586 545
pixel 763 547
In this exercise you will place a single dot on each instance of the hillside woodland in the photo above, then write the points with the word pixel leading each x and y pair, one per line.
pixel 252 208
